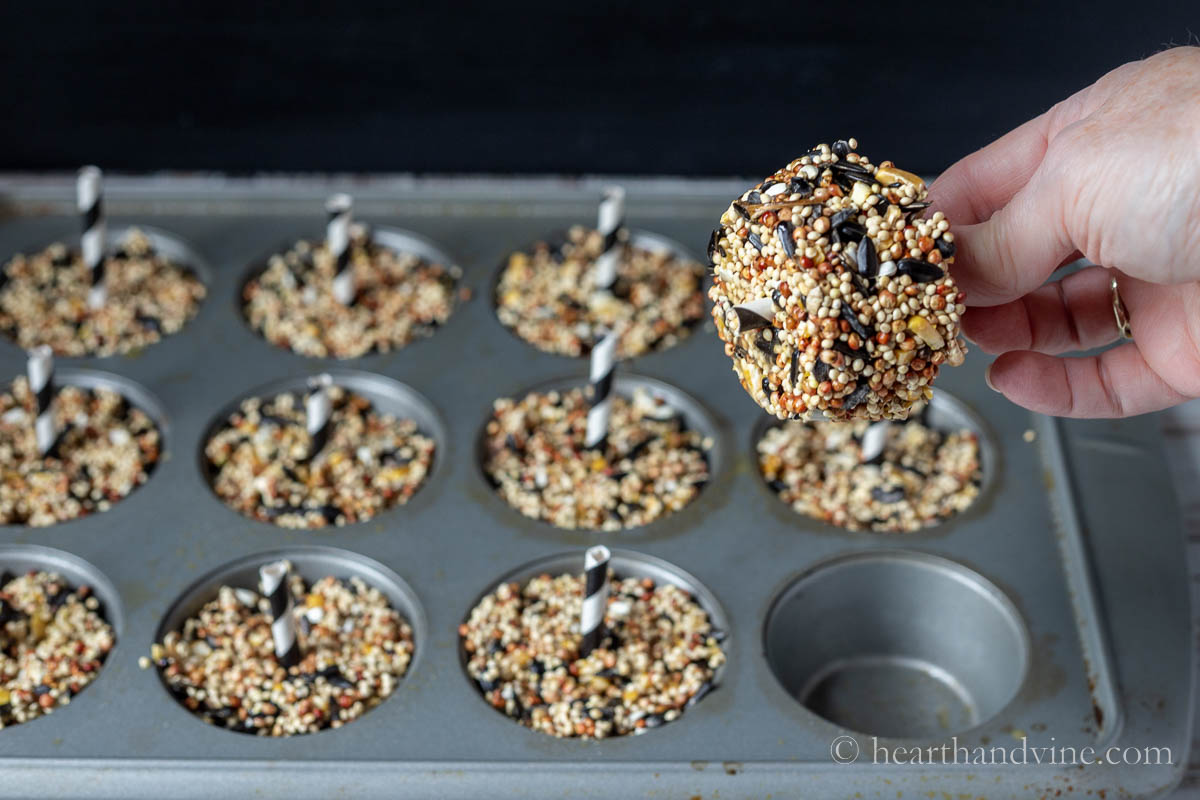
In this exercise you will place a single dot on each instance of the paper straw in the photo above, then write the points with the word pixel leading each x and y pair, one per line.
pixel 274 578
pixel 318 409
pixel 337 240
pixel 601 379
pixel 595 597
pixel 90 202
pixel 40 369
pixel 755 314
pixel 873 442
pixel 611 220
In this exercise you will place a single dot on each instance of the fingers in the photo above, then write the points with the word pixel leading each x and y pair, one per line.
pixel 1116 383
pixel 973 188
pixel 1074 313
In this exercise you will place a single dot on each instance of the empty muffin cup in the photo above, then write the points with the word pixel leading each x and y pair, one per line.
pixel 155 283
pixel 59 619
pixel 357 625
pixel 662 448
pixel 110 437
pixel 897 644
pixel 405 287
pixel 920 473
pixel 659 652
pixel 378 450
pixel 545 295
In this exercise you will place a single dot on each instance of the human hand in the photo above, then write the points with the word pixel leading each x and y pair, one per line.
pixel 1111 174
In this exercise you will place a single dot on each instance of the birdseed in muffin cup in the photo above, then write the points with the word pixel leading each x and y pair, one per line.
pixel 44 299
pixel 547 297
pixel 659 656
pixel 106 449
pixel 922 477
pixel 853 310
pixel 221 665
pixel 258 461
pixel 650 464
pixel 400 297
pixel 53 642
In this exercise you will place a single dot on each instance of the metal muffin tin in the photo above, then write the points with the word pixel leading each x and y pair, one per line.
pixel 1064 586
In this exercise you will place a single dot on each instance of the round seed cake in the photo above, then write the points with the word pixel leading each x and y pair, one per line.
pixel 649 465
pixel 44 299
pixel 922 477
pixel 53 641
pixel 547 297
pixel 106 448
pixel 831 290
pixel 400 297
pixel 221 665
pixel 258 461
pixel 658 656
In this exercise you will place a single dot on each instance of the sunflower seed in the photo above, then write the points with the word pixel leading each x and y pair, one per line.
pixel 784 231
pixel 867 258
pixel 919 271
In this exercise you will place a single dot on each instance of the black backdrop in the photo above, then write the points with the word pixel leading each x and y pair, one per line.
pixel 700 88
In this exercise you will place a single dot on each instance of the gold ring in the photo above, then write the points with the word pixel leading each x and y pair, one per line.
pixel 1120 312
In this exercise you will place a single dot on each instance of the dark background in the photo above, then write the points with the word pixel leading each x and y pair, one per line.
pixel 700 88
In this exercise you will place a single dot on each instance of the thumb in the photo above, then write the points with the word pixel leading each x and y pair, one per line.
pixel 1014 251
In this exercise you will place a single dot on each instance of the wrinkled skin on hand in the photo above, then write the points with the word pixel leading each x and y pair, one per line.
pixel 1112 174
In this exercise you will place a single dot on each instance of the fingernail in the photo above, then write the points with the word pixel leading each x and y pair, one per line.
pixel 987 377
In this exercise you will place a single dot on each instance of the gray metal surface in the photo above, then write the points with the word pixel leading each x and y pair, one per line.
pixel 1078 530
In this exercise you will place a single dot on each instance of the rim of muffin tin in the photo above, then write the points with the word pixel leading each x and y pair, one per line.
pixel 311 562
pixel 20 558
pixel 179 251
pixel 137 396
pixel 387 396
pixel 643 239
pixel 784 627
pixel 947 413
pixel 398 240
pixel 624 564
pixel 696 416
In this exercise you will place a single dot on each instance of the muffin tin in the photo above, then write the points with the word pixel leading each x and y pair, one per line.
pixel 1055 608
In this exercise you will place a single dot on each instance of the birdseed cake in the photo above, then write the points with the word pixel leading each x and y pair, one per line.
pixel 658 657
pixel 649 465
pixel 547 297
pixel 831 290
pixel 400 297
pixel 53 642
pixel 258 461
pixel 43 299
pixel 106 448
pixel 922 477
pixel 221 665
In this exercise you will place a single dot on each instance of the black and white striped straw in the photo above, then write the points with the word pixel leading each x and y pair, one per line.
pixel 40 370
pixel 595 598
pixel 318 409
pixel 89 198
pixel 601 380
pixel 611 221
pixel 274 578
pixel 337 240
pixel 873 442
pixel 755 314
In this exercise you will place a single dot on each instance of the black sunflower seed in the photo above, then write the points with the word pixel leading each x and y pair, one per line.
pixel 740 209
pixel 795 368
pixel 852 400
pixel 919 271
pixel 740 353
pixel 919 205
pixel 754 197
pixel 756 242
pixel 851 318
pixel 841 148
pixel 767 348
pixel 766 386
pixel 777 486
pixel 712 244
pixel 947 249
pixel 846 349
pixel 842 216
pixel 799 185
pixel 704 689
pixel 887 495
pixel 820 370
pixel 784 231
pixel 149 323
pixel 868 259
pixel 777 299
